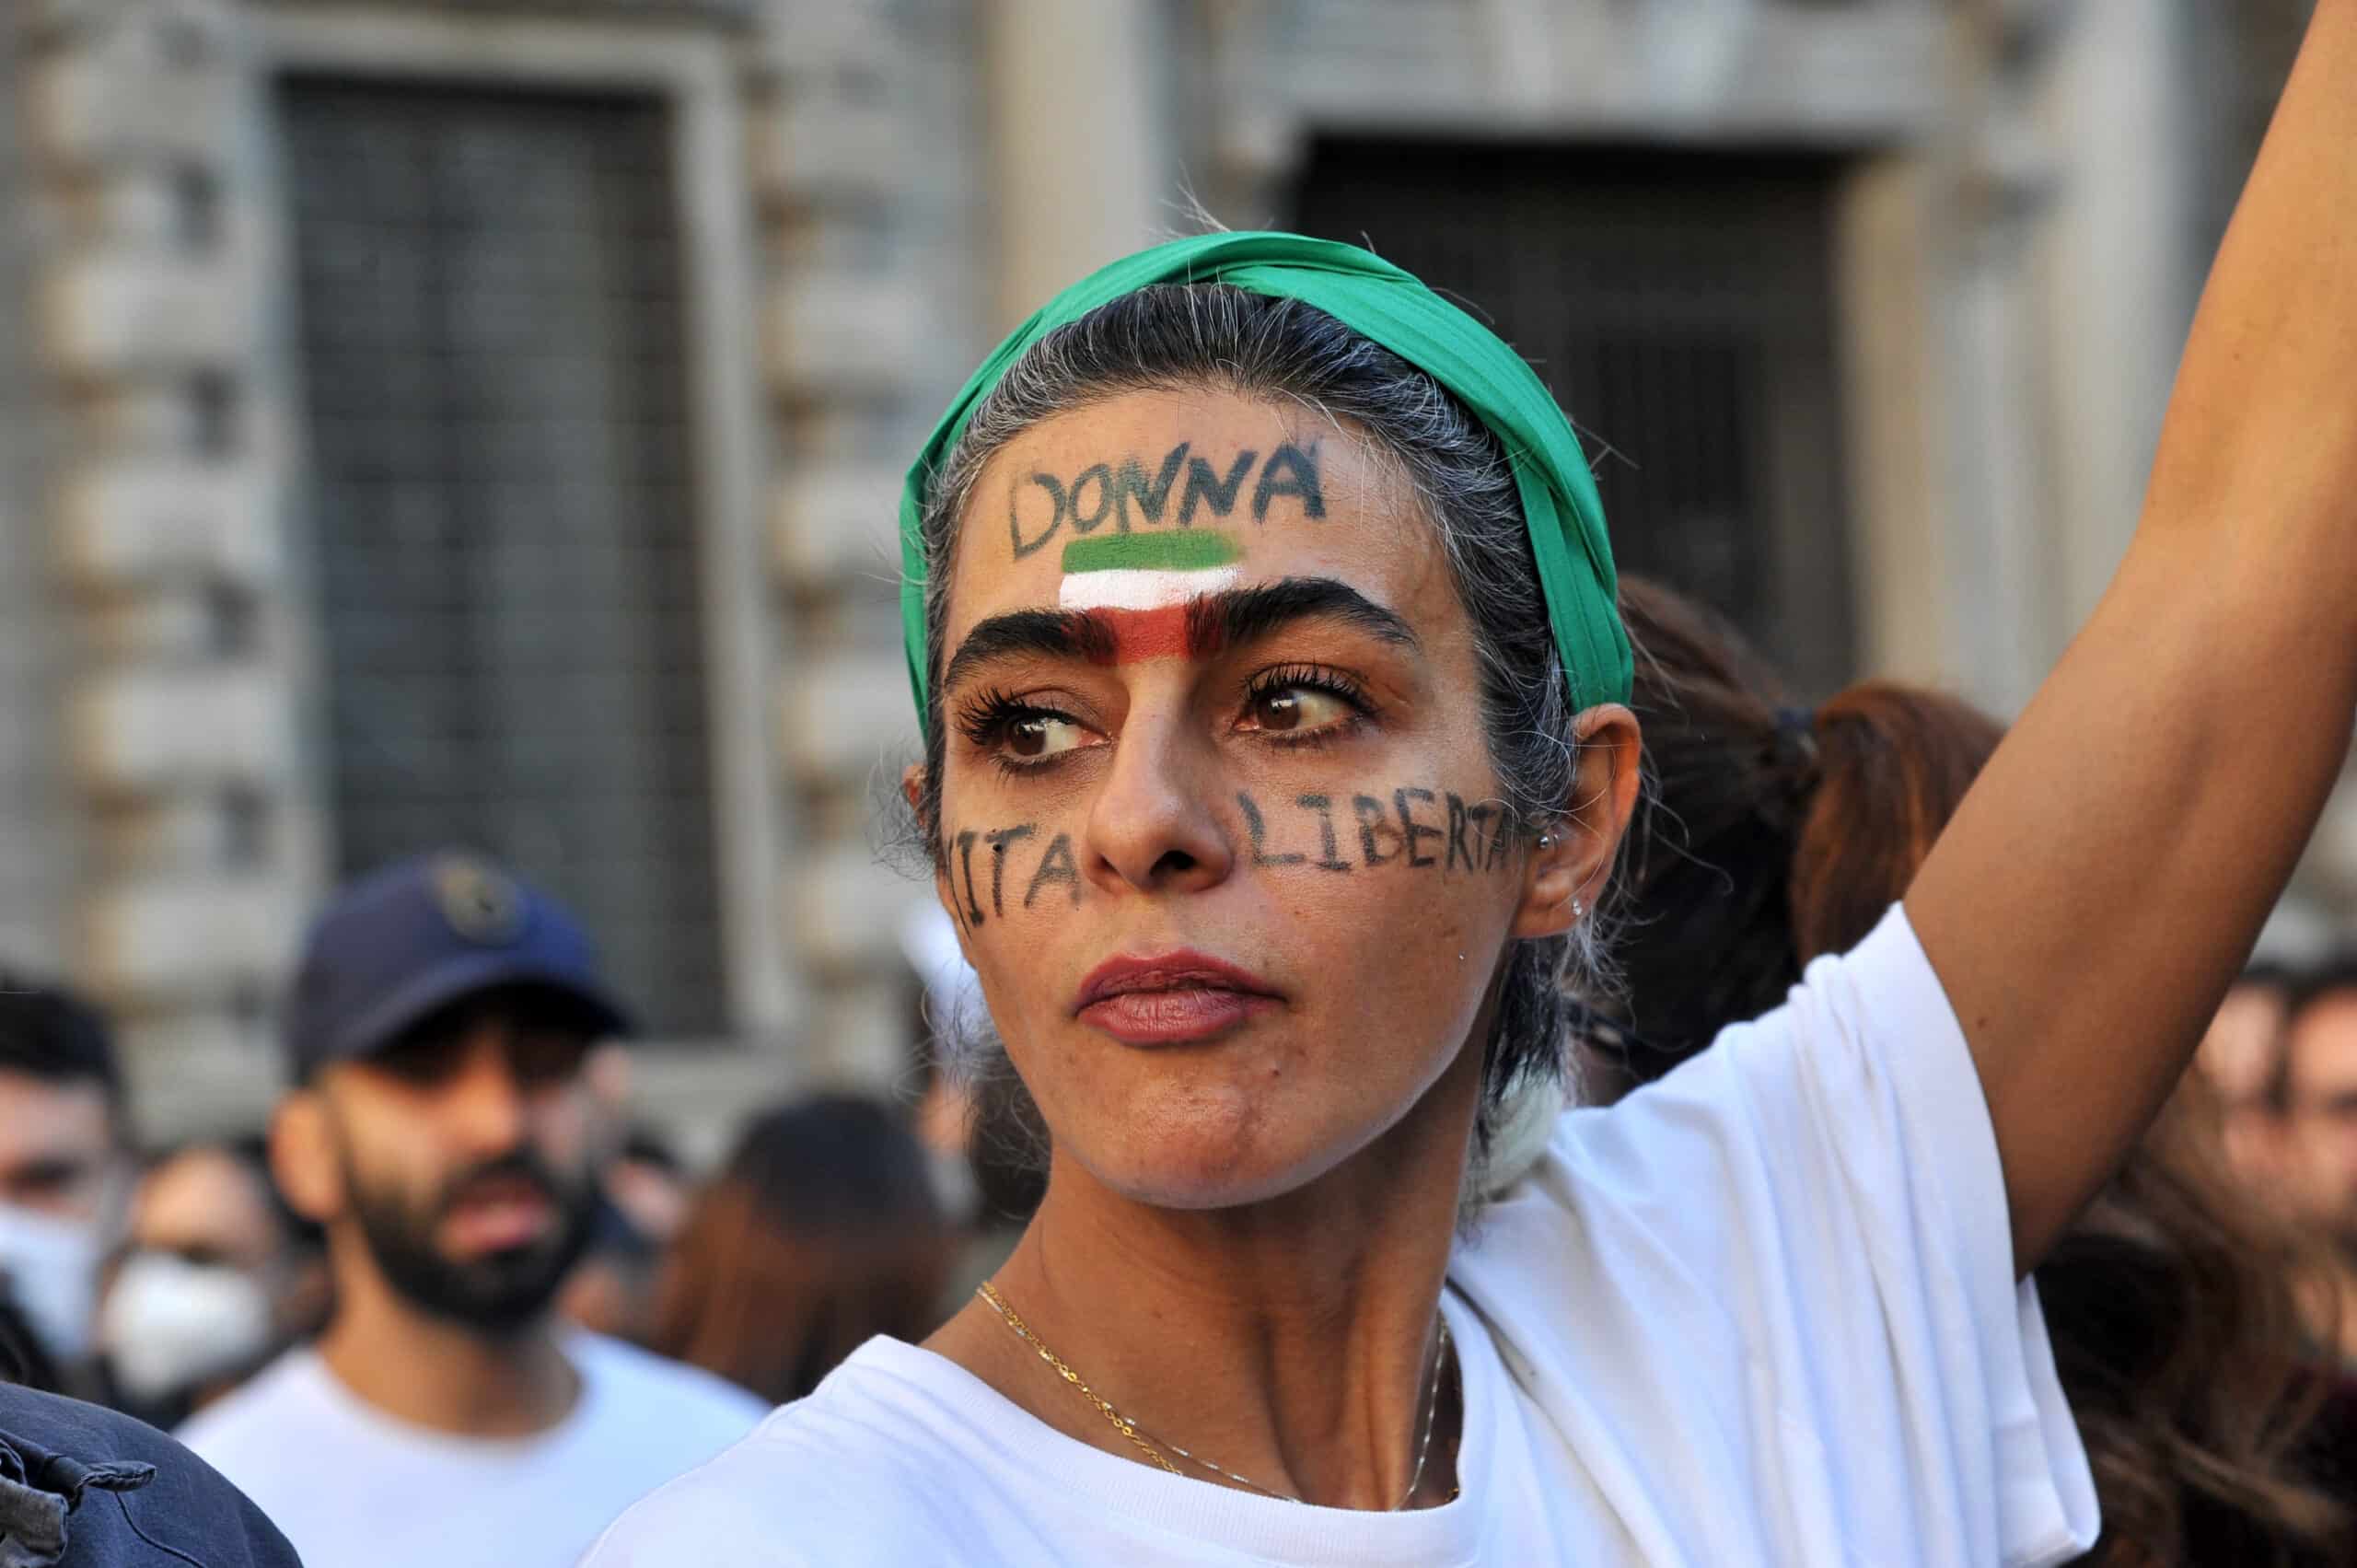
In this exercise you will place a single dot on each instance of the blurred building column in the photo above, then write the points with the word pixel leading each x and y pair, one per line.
pixel 1893 291
pixel 2030 247
pixel 1072 113
pixel 2114 309
pixel 1944 449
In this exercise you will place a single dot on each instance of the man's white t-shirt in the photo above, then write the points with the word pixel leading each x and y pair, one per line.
pixel 353 1488
pixel 1762 1312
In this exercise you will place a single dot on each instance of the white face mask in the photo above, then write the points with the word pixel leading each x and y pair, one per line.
pixel 52 1270
pixel 169 1325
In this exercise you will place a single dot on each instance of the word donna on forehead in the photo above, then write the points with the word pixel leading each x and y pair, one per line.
pixel 1182 488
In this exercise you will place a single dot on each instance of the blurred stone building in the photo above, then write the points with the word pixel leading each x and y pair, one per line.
pixel 463 421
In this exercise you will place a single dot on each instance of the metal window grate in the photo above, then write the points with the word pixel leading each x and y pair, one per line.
pixel 1679 303
pixel 490 302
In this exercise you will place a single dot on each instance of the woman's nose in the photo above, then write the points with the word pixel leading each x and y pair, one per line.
pixel 1155 825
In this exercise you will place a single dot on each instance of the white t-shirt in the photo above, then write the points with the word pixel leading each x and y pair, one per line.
pixel 1762 1312
pixel 355 1488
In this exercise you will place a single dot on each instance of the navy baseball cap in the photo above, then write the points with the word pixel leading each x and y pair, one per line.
pixel 403 943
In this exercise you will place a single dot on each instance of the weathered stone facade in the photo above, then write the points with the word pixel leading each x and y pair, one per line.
pixel 876 188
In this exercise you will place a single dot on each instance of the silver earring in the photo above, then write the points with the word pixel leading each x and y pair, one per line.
pixel 1576 909
pixel 1546 840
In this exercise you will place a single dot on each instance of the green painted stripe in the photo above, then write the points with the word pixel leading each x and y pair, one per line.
pixel 1182 550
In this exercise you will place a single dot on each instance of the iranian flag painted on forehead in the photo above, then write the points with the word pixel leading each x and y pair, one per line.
pixel 1141 582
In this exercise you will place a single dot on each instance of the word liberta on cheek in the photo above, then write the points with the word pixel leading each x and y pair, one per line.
pixel 1039 506
pixel 1411 828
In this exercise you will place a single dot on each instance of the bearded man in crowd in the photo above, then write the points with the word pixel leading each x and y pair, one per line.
pixel 442 1129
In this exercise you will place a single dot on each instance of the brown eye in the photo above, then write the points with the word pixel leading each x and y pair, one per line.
pixel 1043 734
pixel 1279 710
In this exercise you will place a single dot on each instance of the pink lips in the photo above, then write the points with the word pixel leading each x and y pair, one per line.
pixel 1170 998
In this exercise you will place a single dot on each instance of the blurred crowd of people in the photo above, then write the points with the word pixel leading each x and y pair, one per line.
pixel 2278 1079
pixel 452 1306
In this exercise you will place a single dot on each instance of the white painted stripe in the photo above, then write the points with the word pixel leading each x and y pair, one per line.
pixel 1143 589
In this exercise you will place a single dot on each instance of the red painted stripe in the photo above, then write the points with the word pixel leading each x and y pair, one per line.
pixel 1139 634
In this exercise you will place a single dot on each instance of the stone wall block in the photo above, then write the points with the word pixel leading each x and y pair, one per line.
pixel 177 30
pixel 836 335
pixel 846 912
pixel 132 521
pixel 166 941
pixel 148 730
pixel 834 521
pixel 165 623
pixel 134 206
pixel 164 832
pixel 98 106
pixel 843 720
pixel 115 313
pixel 131 417
pixel 817 146
pixel 842 42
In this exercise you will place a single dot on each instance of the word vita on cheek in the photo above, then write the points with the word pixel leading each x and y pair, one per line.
pixel 1413 829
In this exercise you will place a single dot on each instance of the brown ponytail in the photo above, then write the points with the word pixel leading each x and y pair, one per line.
pixel 1893 764
pixel 1768 834
pixel 1710 848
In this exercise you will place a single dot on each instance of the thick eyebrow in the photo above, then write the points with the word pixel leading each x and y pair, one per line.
pixel 1215 622
pixel 1053 633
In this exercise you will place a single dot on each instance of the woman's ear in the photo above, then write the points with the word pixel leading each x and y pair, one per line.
pixel 912 789
pixel 303 1157
pixel 1573 854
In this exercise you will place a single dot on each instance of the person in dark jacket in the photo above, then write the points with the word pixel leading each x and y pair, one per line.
pixel 83 1487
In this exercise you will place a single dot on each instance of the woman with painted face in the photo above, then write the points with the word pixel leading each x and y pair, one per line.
pixel 1774 835
pixel 1277 756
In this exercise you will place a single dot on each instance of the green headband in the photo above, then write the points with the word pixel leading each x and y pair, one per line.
pixel 1380 301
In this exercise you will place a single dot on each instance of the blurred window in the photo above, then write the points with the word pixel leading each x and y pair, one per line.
pixel 490 323
pixel 1680 304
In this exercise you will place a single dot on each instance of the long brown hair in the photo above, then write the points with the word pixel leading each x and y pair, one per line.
pixel 821 1231
pixel 1765 834
pixel 1770 835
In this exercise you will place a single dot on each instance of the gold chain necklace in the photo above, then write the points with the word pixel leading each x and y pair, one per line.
pixel 1145 1442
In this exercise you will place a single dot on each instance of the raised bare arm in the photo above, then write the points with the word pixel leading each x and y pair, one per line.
pixel 2103 880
